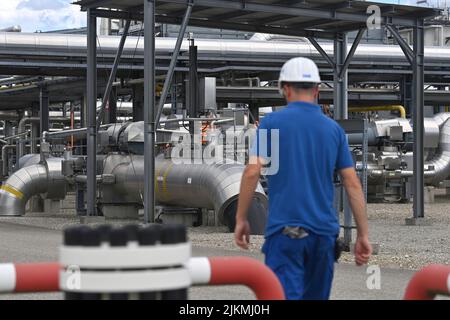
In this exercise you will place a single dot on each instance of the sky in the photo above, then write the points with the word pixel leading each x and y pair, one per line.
pixel 41 15
pixel 46 15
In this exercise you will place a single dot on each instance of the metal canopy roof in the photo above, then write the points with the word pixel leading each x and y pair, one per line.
pixel 317 18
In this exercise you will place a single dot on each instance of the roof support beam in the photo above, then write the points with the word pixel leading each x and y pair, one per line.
pixel 349 57
pixel 340 81
pixel 248 27
pixel 295 11
pixel 308 24
pixel 173 62
pixel 216 24
pixel 322 52
pixel 401 42
pixel 113 74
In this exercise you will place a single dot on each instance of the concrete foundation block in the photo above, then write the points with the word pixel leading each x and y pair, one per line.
pixel 429 193
pixel 210 218
pixel 52 206
pixel 120 212
pixel 36 204
pixel 179 218
pixel 92 219
pixel 417 222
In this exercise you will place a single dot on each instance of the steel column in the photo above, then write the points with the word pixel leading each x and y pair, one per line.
pixel 340 101
pixel 193 84
pixel 112 75
pixel 138 108
pixel 34 129
pixel 350 55
pixel 340 80
pixel 91 81
pixel 43 106
pixel 418 121
pixel 149 111
pixel 173 62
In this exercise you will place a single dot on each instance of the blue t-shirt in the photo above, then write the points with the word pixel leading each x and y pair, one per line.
pixel 311 147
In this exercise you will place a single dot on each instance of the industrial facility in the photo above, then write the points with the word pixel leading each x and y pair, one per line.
pixel 146 115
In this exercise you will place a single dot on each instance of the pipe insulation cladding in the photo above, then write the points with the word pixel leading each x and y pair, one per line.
pixel 210 186
pixel 29 181
pixel 76 46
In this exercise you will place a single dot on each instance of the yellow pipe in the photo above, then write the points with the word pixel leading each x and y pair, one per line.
pixel 399 108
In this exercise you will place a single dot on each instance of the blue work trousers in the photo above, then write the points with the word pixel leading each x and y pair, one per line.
pixel 305 267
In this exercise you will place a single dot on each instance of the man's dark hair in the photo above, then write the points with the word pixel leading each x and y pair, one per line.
pixel 300 85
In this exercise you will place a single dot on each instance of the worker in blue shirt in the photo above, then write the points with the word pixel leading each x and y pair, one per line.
pixel 302 225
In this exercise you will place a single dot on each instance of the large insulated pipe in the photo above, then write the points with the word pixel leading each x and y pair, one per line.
pixel 30 181
pixel 440 163
pixel 437 169
pixel 8 115
pixel 210 186
pixel 15 28
pixel 75 45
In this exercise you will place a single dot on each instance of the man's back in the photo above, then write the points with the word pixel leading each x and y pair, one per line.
pixel 311 148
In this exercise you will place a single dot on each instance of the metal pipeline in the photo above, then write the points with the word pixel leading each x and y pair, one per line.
pixel 210 186
pixel 436 169
pixel 30 181
pixel 440 163
pixel 8 115
pixel 15 28
pixel 400 109
pixel 75 45
pixel 21 129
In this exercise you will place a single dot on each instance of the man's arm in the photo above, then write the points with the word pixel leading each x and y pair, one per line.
pixel 352 185
pixel 249 183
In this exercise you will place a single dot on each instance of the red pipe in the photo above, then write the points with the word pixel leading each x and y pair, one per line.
pixel 248 272
pixel 44 277
pixel 429 282
pixel 38 277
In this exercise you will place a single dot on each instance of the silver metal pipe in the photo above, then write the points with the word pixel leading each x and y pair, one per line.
pixel 440 164
pixel 79 132
pixel 8 115
pixel 75 45
pixel 210 186
pixel 15 28
pixel 29 181
pixel 437 169
pixel 21 129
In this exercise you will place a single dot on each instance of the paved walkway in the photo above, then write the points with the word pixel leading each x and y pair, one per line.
pixel 32 244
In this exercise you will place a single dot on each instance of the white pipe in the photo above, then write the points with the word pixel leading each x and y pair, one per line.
pixel 75 45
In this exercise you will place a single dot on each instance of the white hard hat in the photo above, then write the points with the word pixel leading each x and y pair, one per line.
pixel 299 70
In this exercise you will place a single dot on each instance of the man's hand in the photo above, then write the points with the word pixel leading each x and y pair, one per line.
pixel 363 250
pixel 242 234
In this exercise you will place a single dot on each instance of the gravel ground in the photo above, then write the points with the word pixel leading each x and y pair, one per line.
pixel 400 246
